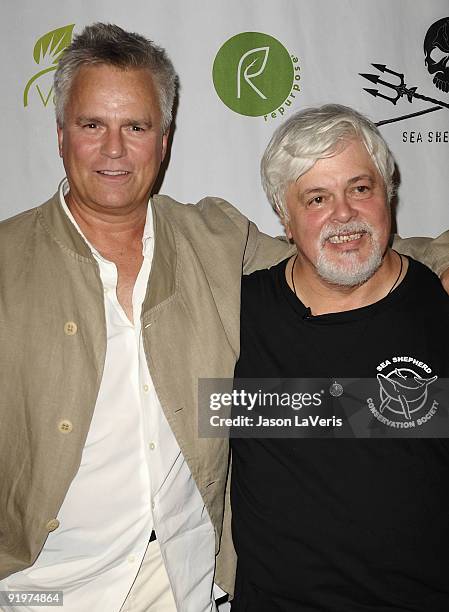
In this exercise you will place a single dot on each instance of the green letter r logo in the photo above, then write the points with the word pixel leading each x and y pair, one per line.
pixel 253 73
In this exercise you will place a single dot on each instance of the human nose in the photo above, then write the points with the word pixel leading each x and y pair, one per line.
pixel 343 210
pixel 113 145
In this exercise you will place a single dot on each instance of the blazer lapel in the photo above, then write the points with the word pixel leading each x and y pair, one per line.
pixel 163 281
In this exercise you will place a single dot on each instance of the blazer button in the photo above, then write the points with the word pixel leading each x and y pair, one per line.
pixel 70 328
pixel 65 426
pixel 52 525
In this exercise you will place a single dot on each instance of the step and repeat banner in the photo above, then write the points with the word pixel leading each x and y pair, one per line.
pixel 244 67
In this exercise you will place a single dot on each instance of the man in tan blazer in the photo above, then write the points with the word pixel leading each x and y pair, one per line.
pixel 113 304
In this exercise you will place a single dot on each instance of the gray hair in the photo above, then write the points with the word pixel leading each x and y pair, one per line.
pixel 105 43
pixel 313 134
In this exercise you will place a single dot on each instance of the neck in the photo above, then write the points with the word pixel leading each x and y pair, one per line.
pixel 105 230
pixel 323 297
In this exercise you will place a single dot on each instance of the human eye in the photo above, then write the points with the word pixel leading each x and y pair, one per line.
pixel 362 188
pixel 361 191
pixel 315 201
pixel 90 125
pixel 136 128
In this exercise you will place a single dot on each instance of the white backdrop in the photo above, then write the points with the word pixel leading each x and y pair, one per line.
pixel 216 151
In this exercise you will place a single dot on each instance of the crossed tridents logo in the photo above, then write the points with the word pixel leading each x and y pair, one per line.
pixel 436 52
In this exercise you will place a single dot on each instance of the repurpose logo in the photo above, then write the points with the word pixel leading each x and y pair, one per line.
pixel 255 75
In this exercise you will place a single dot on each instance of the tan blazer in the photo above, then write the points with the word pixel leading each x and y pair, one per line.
pixel 53 342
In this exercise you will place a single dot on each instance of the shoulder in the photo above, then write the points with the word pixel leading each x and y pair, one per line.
pixel 27 217
pixel 267 276
pixel 262 287
pixel 18 222
pixel 40 232
pixel 426 287
pixel 423 276
pixel 16 231
pixel 251 283
pixel 209 211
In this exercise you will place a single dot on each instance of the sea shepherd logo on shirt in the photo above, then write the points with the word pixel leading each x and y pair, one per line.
pixel 403 393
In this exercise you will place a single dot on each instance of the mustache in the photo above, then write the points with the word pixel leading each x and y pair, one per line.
pixel 352 227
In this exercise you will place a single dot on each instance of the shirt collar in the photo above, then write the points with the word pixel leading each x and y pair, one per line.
pixel 148 230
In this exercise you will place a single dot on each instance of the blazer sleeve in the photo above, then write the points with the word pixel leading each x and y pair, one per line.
pixel 433 252
pixel 261 251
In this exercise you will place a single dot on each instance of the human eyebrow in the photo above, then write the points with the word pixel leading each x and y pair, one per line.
pixel 85 120
pixel 315 190
pixel 361 177
pixel 146 123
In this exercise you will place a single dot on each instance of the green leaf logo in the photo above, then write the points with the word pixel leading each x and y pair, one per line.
pixel 53 43
pixel 253 73
pixel 49 47
pixel 259 56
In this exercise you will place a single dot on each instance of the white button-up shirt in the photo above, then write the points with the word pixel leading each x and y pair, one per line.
pixel 133 478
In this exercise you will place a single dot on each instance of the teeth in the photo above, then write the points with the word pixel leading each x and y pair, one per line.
pixel 113 172
pixel 344 238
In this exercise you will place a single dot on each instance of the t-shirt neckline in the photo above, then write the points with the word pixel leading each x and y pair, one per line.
pixel 356 314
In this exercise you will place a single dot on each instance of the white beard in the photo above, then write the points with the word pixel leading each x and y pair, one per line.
pixel 345 268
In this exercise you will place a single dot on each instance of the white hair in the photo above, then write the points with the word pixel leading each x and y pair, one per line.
pixel 313 134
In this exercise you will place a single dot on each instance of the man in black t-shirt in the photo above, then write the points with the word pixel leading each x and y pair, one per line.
pixel 342 525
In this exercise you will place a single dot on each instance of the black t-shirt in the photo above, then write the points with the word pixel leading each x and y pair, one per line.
pixel 347 525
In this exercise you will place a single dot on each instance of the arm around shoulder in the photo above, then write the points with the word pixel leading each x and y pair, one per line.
pixel 433 252
pixel 261 251
pixel 264 251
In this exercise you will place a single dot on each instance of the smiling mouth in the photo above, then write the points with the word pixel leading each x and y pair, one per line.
pixel 342 238
pixel 113 172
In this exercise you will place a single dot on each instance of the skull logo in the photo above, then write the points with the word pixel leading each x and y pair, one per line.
pixel 436 49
